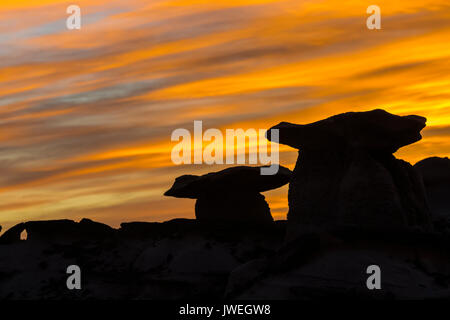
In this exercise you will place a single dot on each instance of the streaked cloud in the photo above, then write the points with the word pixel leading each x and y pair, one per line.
pixel 86 116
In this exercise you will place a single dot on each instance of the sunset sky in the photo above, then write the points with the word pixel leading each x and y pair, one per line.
pixel 86 115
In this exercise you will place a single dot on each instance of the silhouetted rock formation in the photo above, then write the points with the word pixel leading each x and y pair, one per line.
pixel 346 174
pixel 232 194
pixel 436 177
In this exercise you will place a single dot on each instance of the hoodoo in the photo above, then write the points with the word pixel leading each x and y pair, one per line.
pixel 231 194
pixel 346 173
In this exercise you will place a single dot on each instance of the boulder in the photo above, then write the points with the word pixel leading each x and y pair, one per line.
pixel 232 194
pixel 435 172
pixel 346 174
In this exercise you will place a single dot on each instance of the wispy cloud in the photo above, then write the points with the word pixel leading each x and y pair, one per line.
pixel 86 116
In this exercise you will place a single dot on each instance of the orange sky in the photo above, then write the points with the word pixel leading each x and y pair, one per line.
pixel 86 115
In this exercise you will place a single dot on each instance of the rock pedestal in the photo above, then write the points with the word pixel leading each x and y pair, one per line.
pixel 232 194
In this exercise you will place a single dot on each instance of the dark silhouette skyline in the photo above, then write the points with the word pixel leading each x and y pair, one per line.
pixel 354 207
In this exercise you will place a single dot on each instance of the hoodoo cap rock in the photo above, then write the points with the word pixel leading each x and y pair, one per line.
pixel 376 130
pixel 234 179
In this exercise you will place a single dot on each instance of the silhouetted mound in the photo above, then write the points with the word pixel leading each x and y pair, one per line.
pixel 232 194
pixel 57 230
pixel 434 170
pixel 436 177
pixel 346 174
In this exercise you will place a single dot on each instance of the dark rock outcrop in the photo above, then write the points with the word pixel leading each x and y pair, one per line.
pixel 346 174
pixel 435 172
pixel 232 194
pixel 333 264
pixel 177 259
